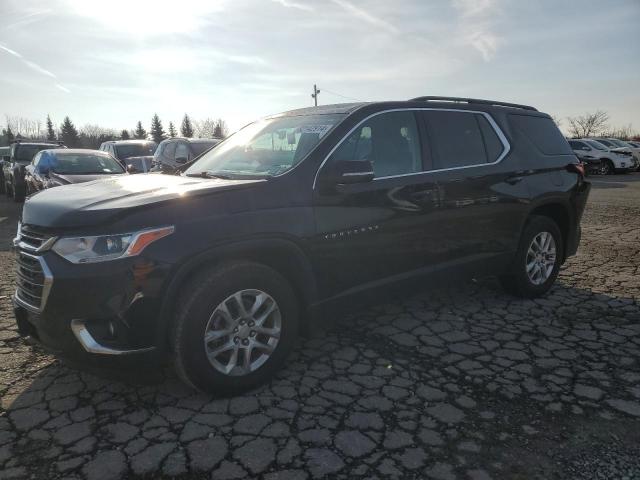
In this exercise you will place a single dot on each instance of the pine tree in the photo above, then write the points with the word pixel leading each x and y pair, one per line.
pixel 157 132
pixel 186 129
pixel 9 135
pixel 140 133
pixel 68 133
pixel 124 135
pixel 51 134
pixel 172 130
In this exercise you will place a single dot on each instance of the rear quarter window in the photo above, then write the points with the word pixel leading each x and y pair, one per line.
pixel 543 133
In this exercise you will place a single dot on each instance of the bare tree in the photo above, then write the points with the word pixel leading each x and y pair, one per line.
pixel 589 124
pixel 557 120
pixel 91 136
pixel 204 128
pixel 623 133
pixel 25 127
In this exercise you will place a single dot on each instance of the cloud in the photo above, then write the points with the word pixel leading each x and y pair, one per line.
pixel 476 23
pixel 366 16
pixel 64 89
pixel 299 6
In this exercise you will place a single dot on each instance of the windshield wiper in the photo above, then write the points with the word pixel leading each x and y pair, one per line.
pixel 210 174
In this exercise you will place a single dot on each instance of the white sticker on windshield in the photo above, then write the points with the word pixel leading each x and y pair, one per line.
pixel 319 129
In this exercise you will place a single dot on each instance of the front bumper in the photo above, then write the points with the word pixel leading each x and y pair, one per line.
pixel 97 311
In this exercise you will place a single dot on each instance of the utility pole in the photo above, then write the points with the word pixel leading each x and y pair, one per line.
pixel 315 93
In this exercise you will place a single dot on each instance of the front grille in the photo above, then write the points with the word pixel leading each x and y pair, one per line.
pixel 33 278
pixel 31 238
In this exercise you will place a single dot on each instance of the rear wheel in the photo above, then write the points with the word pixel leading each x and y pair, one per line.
pixel 234 328
pixel 537 260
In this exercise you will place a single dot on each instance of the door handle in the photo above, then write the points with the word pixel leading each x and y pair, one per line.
pixel 513 180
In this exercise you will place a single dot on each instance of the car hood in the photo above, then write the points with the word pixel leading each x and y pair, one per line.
pixel 99 201
pixel 64 179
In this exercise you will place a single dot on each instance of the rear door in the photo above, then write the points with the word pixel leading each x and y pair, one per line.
pixel 480 187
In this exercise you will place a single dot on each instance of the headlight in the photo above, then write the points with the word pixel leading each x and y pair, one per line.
pixel 108 247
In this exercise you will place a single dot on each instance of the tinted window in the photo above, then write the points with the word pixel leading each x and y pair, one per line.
pixel 169 150
pixel 25 153
pixel 577 145
pixel 389 140
pixel 201 147
pixel 456 139
pixel 182 151
pixel 492 143
pixel 126 150
pixel 543 133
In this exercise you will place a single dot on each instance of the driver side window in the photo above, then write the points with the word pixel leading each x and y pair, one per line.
pixel 389 140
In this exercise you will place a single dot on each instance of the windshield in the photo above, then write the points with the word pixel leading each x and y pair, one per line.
pixel 607 143
pixel 26 153
pixel 127 150
pixel 267 147
pixel 618 143
pixel 85 164
pixel 596 145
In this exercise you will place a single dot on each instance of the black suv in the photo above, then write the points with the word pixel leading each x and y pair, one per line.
pixel 222 266
pixel 134 155
pixel 174 153
pixel 13 168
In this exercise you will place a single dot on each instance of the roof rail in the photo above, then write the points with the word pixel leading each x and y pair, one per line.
pixel 472 101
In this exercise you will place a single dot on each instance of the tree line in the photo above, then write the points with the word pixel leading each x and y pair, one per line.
pixel 91 135
pixel 596 124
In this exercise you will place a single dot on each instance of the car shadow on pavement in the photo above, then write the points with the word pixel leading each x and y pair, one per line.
pixel 449 382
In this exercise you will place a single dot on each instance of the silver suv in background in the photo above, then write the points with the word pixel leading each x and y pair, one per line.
pixel 179 151
pixel 612 161
pixel 135 155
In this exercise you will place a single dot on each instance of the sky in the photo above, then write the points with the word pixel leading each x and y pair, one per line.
pixel 115 62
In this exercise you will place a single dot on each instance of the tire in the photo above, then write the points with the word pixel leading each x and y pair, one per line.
pixel 195 312
pixel 606 167
pixel 518 282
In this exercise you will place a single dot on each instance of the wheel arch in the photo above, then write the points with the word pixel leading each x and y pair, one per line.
pixel 283 255
pixel 559 212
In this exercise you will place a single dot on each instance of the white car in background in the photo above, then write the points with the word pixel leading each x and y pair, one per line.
pixel 611 161
pixel 618 146
pixel 634 149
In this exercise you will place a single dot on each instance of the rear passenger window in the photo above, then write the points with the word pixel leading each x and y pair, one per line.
pixel 457 139
pixel 543 133
pixel 389 140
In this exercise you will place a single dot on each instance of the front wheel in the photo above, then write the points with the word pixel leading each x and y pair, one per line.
pixel 234 328
pixel 606 167
pixel 537 261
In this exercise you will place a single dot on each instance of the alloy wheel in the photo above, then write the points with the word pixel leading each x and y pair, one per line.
pixel 541 258
pixel 242 332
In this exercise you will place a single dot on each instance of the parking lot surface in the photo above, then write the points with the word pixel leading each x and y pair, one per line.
pixel 458 382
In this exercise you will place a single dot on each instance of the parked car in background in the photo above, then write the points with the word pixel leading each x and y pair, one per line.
pixel 222 266
pixel 635 149
pixel 626 146
pixel 587 155
pixel 135 155
pixel 617 146
pixel 52 168
pixel 20 155
pixel 4 155
pixel 611 161
pixel 177 152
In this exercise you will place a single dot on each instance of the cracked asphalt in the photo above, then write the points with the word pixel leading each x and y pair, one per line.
pixel 456 382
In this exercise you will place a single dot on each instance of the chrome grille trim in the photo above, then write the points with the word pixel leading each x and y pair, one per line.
pixel 32 288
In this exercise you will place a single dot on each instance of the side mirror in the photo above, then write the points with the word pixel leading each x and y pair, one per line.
pixel 587 149
pixel 182 160
pixel 350 171
pixel 131 168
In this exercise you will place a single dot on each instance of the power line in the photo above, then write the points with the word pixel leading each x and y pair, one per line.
pixel 342 96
